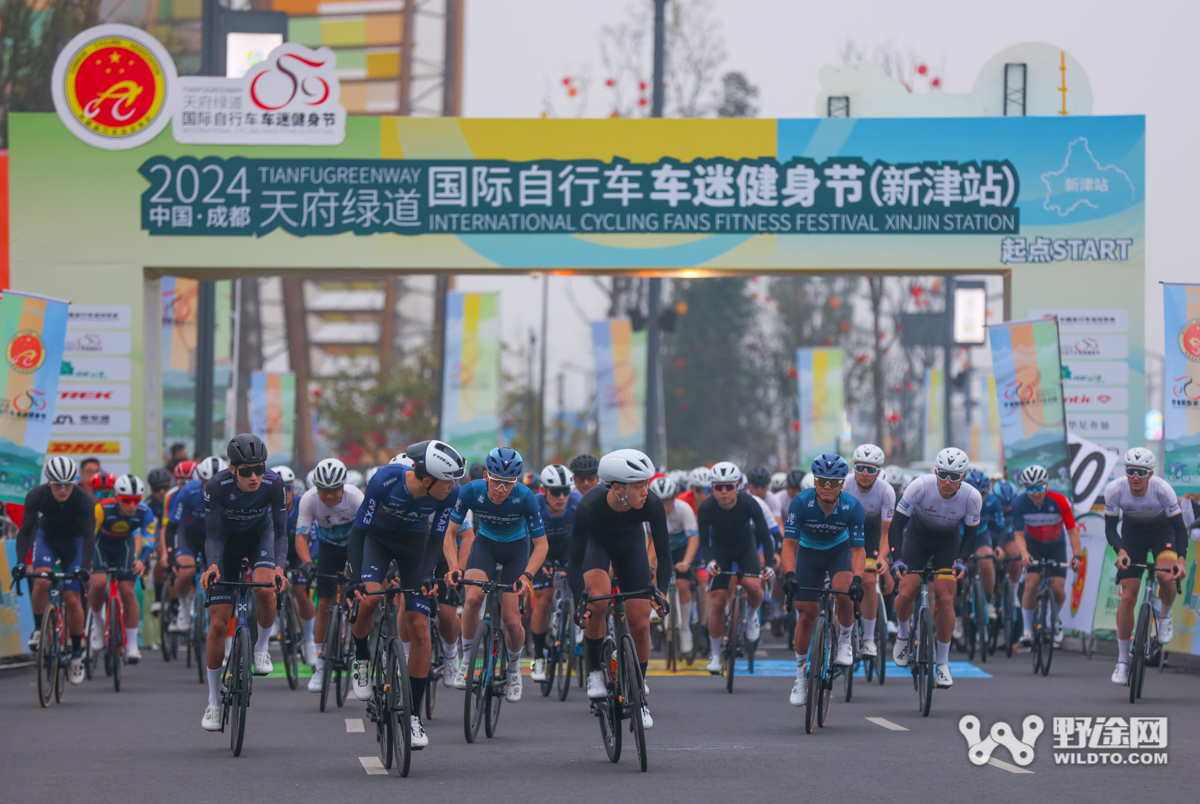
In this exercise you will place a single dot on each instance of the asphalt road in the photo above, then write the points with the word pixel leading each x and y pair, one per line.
pixel 706 745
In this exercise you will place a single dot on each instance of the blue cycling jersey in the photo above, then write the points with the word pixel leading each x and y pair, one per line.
pixel 507 522
pixel 388 505
pixel 992 516
pixel 187 507
pixel 293 518
pixel 807 522
pixel 558 529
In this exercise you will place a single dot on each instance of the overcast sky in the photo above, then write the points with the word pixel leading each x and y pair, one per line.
pixel 1139 57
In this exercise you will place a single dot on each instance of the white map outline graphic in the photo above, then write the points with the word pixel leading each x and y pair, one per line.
pixel 1066 164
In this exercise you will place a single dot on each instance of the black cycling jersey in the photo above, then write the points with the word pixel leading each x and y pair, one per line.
pixel 595 520
pixel 60 522
pixel 726 529
pixel 230 513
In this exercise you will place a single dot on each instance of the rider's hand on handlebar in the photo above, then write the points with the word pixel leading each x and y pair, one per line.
pixel 281 581
pixel 682 567
pixel 210 576
pixel 899 567
pixel 1123 560
pixel 1027 559
pixel 791 584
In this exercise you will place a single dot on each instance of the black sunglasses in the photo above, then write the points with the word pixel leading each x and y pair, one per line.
pixel 866 469
pixel 1131 471
pixel 557 492
pixel 247 471
pixel 953 477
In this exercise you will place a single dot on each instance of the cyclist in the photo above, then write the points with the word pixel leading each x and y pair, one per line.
pixel 699 488
pixel 326 515
pixel 63 517
pixel 610 530
pixel 759 482
pixel 991 526
pixel 725 521
pixel 508 533
pixel 758 490
pixel 583 467
pixel 878 501
pixel 102 486
pixel 777 496
pixel 306 611
pixel 823 536
pixel 1004 544
pixel 160 484
pixel 1153 523
pixel 556 505
pixel 403 517
pixel 88 469
pixel 187 531
pixel 124 543
pixel 1039 518
pixel 932 509
pixel 683 535
pixel 244 517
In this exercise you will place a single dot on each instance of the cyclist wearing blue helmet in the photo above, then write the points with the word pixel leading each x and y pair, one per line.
pixel 823 535
pixel 1003 542
pixel 508 532
pixel 991 528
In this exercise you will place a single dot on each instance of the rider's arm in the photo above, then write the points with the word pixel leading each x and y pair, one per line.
pixel 213 544
pixel 450 545
pixel 657 516
pixel 1181 535
pixel 89 534
pixel 581 529
pixel 762 534
pixel 858 539
pixel 537 556
pixel 688 517
pixel 1110 532
pixel 884 549
pixel 895 534
pixel 302 551
pixel 705 528
pixel 146 543
pixel 29 523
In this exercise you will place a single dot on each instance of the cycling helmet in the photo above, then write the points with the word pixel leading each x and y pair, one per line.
pixel 557 476
pixel 531 480
pixel 830 465
pixel 1034 475
pixel 795 479
pixel 308 478
pixel 437 459
pixel 329 474
pixel 129 486
pixel 779 481
pixel 1005 491
pixel 504 462
pixel 679 478
pixel 184 470
pixel 809 482
pixel 1141 458
pixel 584 464
pixel 870 454
pixel 726 472
pixel 893 476
pixel 664 487
pixel 354 478
pixel 208 467
pixel 743 483
pixel 625 466
pixel 951 459
pixel 758 476
pixel 476 471
pixel 285 473
pixel 979 480
pixel 103 481
pixel 61 469
pixel 370 473
pixel 403 460
pixel 158 477
pixel 246 448
pixel 700 477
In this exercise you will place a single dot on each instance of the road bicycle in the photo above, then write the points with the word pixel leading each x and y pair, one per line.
pixel 922 646
pixel 437 658
pixel 488 663
pixel 290 636
pixel 560 637
pixel 114 634
pixel 876 667
pixel 168 612
pixel 337 649
pixel 1146 645
pixel 975 610
pixel 1006 618
pixel 197 646
pixel 821 672
pixel 54 649
pixel 1043 625
pixel 735 644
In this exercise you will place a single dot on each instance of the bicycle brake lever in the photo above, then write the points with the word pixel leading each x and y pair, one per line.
pixel 353 612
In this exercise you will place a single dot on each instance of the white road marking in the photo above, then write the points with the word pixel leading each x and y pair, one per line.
pixel 887 724
pixel 373 766
pixel 354 724
pixel 999 763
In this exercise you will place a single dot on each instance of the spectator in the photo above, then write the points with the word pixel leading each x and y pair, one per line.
pixel 88 468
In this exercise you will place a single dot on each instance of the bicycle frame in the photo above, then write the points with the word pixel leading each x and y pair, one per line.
pixel 737 610
pixel 821 671
pixel 485 692
pixel 53 657
pixel 1146 630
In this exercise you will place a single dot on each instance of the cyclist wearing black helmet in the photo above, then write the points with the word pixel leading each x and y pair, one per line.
pixel 584 467
pixel 245 516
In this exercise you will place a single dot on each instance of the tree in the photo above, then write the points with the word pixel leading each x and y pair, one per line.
pixel 911 70
pixel 737 96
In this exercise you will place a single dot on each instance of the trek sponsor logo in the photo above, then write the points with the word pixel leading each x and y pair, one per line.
pixel 94 395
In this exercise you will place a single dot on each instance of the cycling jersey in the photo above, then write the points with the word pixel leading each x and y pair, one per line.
pixel 992 516
pixel 186 507
pixel 772 525
pixel 60 523
pixel 324 523
pixel 778 502
pixel 936 515
pixel 724 529
pixel 112 524
pixel 620 536
pixel 389 506
pixel 508 521
pixel 681 525
pixel 690 499
pixel 558 529
pixel 1046 522
pixel 878 503
pixel 807 522
pixel 1152 522
pixel 230 513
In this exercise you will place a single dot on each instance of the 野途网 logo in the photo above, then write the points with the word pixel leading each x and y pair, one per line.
pixel 979 749
pixel 113 86
pixel 26 352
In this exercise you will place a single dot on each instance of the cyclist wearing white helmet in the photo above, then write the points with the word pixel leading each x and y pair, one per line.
pixel 557 504
pixel 124 543
pixel 684 538
pixel 185 533
pixel 1153 526
pixel 60 524
pixel 699 487
pixel 878 500
pixel 938 510
pixel 610 530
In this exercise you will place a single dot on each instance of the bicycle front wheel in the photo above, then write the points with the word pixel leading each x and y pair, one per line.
pixel 631 680
pixel 329 653
pixel 497 675
pixel 1137 652
pixel 48 655
pixel 817 668
pixel 115 636
pixel 399 706
pixel 288 641
pixel 200 634
pixel 479 676
pixel 345 658
pixel 437 668
pixel 981 619
pixel 925 662
pixel 881 640
pixel 238 680
pixel 732 637
pixel 564 655
pixel 1047 650
pixel 610 707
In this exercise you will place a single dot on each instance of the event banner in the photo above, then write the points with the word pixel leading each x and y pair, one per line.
pixel 934 426
pixel 1028 369
pixel 822 401
pixel 16 613
pixel 841 195
pixel 985 427
pixel 1084 587
pixel 273 413
pixel 1186 611
pixel 1181 416
pixel 34 329
pixel 470 418
pixel 180 303
pixel 620 356
pixel 1109 595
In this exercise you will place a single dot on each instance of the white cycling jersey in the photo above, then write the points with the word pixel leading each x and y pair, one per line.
pixel 772 522
pixel 332 523
pixel 878 504
pixel 778 502
pixel 924 503
pixel 682 519
pixel 1152 508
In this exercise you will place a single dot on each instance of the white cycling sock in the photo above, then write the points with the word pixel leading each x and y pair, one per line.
pixel 943 653
pixel 264 639
pixel 902 629
pixel 514 662
pixel 131 636
pixel 1055 608
pixel 319 666
pixel 214 687
pixel 1027 617
pixel 449 649
pixel 715 643
pixel 1123 650
pixel 844 632
pixel 468 645
pixel 801 659
pixel 307 627
pixel 869 628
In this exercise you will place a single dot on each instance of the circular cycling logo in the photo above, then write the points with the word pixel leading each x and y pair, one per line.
pixel 113 85
pixel 1189 340
pixel 26 352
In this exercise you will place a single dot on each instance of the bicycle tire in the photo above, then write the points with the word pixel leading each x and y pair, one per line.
pixel 499 675
pixel 981 619
pixel 631 676
pixel 1047 637
pixel 968 615
pixel 48 655
pixel 825 696
pixel 88 658
pixel 732 637
pixel 478 677
pixel 164 634
pixel 115 637
pixel 379 709
pixel 565 652
pixel 848 672
pixel 926 661
pixel 287 641
pixel 345 658
pixel 674 629
pixel 816 672
pixel 881 636
pixel 329 654
pixel 200 634
pixel 1039 634
pixel 437 668
pixel 399 707
pixel 610 707
pixel 60 681
pixel 239 673
pixel 1137 652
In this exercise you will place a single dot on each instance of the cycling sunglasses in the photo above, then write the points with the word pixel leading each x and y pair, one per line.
pixel 501 483
pixel 247 471
pixel 703 489
pixel 866 469
pixel 828 482
pixel 724 486
pixel 1038 489
pixel 1133 471
pixel 558 492
pixel 130 500
pixel 953 477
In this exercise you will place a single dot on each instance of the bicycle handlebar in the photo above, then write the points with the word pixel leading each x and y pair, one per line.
pixel 80 575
